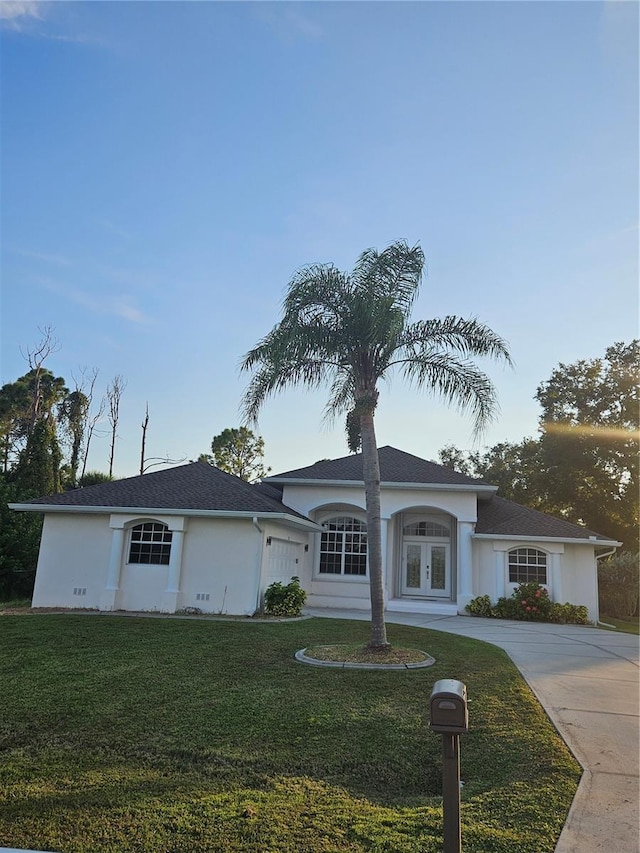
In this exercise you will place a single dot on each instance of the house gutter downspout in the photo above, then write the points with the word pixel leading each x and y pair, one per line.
pixel 254 521
pixel 599 557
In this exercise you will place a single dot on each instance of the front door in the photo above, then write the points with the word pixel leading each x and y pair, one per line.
pixel 426 570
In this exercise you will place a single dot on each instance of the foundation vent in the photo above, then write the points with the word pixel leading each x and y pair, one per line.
pixel 202 596
pixel 79 590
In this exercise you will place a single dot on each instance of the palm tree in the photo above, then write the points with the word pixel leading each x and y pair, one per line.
pixel 354 330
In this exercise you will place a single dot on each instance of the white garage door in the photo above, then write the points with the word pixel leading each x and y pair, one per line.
pixel 283 561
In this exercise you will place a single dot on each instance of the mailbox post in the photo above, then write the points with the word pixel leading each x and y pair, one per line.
pixel 449 715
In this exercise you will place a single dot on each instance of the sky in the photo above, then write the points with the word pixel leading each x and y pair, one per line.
pixel 166 167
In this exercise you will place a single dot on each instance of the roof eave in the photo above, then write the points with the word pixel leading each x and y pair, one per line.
pixel 285 517
pixel 571 540
pixel 455 487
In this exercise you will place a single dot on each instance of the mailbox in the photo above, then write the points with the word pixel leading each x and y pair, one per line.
pixel 448 707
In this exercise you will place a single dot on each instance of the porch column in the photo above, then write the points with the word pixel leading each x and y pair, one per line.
pixel 465 564
pixel 499 574
pixel 554 578
pixel 172 592
pixel 387 568
pixel 108 594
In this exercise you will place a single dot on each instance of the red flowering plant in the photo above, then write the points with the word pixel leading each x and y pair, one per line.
pixel 533 602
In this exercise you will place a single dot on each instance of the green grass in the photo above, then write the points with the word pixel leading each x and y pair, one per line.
pixel 173 736
pixel 631 626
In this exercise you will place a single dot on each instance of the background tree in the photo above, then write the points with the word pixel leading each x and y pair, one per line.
pixel 584 465
pixel 14 413
pixel 94 414
pixel 238 451
pixel 74 410
pixel 19 542
pixel 590 426
pixel 147 462
pixel 352 330
pixel 40 392
pixel 36 358
pixel 92 478
pixel 513 467
pixel 114 395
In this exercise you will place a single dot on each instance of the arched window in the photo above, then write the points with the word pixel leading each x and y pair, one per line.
pixel 426 528
pixel 343 548
pixel 527 565
pixel 150 543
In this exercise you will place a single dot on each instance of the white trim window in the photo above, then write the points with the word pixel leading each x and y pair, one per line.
pixel 432 529
pixel 527 565
pixel 343 547
pixel 150 543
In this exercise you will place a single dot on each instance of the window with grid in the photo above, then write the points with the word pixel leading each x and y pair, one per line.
pixel 527 565
pixel 426 528
pixel 150 543
pixel 343 548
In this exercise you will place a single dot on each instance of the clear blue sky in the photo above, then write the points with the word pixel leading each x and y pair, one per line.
pixel 167 166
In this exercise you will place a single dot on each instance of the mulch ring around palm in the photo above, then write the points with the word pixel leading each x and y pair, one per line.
pixel 358 656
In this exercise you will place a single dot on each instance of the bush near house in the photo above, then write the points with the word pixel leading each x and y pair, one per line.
pixel 529 602
pixel 284 599
pixel 618 580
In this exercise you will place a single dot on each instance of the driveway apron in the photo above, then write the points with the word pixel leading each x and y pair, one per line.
pixel 587 681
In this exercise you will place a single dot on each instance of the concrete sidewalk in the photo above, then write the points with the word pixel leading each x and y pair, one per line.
pixel 587 681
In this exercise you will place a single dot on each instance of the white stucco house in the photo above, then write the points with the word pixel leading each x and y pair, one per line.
pixel 193 536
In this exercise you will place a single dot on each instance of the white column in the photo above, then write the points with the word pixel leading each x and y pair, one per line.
pixel 554 578
pixel 108 594
pixel 465 564
pixel 388 564
pixel 499 574
pixel 172 592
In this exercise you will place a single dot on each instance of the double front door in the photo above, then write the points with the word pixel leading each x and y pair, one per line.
pixel 426 569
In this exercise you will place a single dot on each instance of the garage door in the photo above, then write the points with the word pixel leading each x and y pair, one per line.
pixel 283 561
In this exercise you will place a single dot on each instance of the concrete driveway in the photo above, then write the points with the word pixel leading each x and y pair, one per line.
pixel 587 681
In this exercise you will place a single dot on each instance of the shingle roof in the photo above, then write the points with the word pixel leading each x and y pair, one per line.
pixel 197 486
pixel 200 486
pixel 500 517
pixel 396 466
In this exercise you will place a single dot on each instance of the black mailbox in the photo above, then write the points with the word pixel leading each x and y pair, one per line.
pixel 448 707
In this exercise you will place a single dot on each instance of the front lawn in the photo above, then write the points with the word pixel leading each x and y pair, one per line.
pixel 631 626
pixel 177 736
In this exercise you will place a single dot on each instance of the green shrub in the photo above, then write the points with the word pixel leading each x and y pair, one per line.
pixel 618 586
pixel 507 608
pixel 284 600
pixel 530 602
pixel 533 602
pixel 574 614
pixel 480 606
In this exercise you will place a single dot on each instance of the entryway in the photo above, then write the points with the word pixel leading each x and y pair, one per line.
pixel 426 569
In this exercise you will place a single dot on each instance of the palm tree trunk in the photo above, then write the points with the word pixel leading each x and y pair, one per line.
pixel 371 473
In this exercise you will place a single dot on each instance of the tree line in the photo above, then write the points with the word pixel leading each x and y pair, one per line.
pixel 583 464
pixel 46 430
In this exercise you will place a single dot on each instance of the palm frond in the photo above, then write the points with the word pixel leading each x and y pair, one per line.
pixel 393 274
pixel 467 337
pixel 341 395
pixel 457 381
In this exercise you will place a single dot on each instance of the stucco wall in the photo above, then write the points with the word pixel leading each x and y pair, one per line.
pixel 224 566
pixel 580 578
pixel 305 499
pixel 571 571
pixel 221 558
pixel 74 555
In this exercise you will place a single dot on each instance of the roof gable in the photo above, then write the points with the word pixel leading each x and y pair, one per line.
pixel 196 486
pixel 500 517
pixel 396 466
